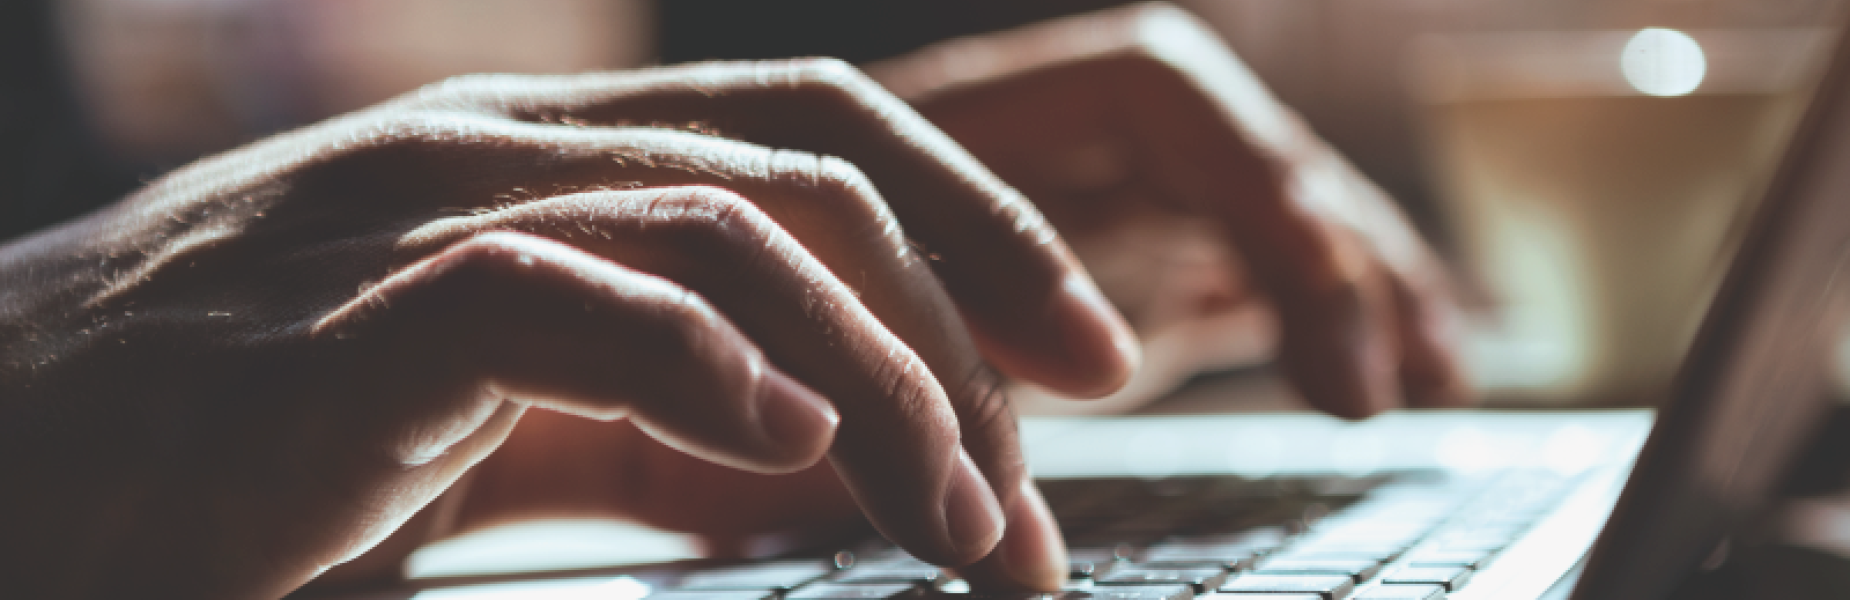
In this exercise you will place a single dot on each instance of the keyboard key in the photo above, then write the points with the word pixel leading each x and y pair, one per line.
pixel 1120 592
pixel 1176 555
pixel 847 591
pixel 713 595
pixel 1450 577
pixel 765 576
pixel 998 596
pixel 1101 556
pixel 1116 592
pixel 1375 530
pixel 1475 544
pixel 1200 579
pixel 1329 587
pixel 1450 558
pixel 1402 592
pixel 1391 544
pixel 889 557
pixel 1359 569
pixel 886 574
pixel 1132 592
pixel 1256 538
pixel 1223 596
pixel 1488 530
pixel 1380 555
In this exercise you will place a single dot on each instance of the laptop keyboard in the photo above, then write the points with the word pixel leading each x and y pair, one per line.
pixel 1407 537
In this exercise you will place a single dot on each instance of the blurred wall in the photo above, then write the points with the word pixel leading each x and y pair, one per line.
pixel 163 81
pixel 1342 63
pixel 168 79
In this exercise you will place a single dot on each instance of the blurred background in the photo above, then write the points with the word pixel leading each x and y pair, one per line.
pixel 1588 214
pixel 1586 164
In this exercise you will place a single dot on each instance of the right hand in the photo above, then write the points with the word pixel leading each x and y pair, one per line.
pixel 263 364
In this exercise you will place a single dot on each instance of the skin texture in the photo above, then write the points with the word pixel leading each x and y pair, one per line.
pixel 650 294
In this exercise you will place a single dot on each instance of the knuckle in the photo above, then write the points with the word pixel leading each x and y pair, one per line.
pixel 840 188
pixel 1341 264
pixel 411 156
pixel 1148 63
pixel 842 176
pixel 1162 28
pixel 482 260
pixel 827 178
pixel 847 190
pixel 468 276
pixel 703 218
pixel 1332 294
pixel 716 201
pixel 826 72
pixel 987 406
pixel 828 82
pixel 686 327
pixel 917 400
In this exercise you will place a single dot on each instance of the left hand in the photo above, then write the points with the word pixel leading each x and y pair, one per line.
pixel 1204 208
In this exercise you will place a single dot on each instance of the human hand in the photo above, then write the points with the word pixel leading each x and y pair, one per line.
pixel 1155 153
pixel 1206 210
pixel 1164 161
pixel 263 364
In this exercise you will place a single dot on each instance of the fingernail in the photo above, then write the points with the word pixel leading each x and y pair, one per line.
pixel 972 518
pixel 1081 302
pixel 794 419
pixel 1032 552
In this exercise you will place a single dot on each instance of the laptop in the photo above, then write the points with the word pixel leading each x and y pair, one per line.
pixel 1417 505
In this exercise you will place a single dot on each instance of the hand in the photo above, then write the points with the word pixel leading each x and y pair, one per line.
pixel 265 363
pixel 1202 206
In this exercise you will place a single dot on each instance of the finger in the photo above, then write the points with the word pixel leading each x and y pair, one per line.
pixel 1035 312
pixel 1410 311
pixel 1175 111
pixel 1430 333
pixel 1429 324
pixel 1338 347
pixel 557 465
pixel 1330 247
pixel 827 204
pixel 898 446
pixel 1032 554
pixel 506 316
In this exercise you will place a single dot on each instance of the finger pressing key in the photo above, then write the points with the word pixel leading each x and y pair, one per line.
pixel 898 445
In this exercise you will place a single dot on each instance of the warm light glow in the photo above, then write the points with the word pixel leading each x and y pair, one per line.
pixel 549 545
pixel 594 588
pixel 1663 62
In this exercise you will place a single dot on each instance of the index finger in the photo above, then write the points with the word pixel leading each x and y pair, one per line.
pixel 1032 308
